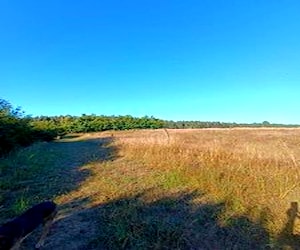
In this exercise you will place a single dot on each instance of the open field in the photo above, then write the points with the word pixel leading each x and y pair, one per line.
pixel 162 189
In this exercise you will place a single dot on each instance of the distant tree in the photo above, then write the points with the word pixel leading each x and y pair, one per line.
pixel 266 123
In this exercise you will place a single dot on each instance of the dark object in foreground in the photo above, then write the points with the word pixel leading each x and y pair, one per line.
pixel 15 231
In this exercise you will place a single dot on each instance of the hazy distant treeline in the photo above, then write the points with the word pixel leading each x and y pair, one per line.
pixel 201 124
pixel 16 129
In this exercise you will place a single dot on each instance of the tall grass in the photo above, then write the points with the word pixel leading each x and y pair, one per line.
pixel 251 170
pixel 179 189
pixel 243 183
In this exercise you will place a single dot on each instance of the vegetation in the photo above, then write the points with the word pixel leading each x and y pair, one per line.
pixel 162 189
pixel 16 130
pixel 19 130
pixel 201 124
pixel 93 123
pixel 153 189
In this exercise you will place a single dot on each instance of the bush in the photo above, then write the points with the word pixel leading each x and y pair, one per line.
pixel 16 130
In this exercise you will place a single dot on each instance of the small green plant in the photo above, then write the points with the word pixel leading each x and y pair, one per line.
pixel 173 179
pixel 20 205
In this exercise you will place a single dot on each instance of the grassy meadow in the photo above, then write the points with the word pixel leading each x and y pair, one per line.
pixel 161 189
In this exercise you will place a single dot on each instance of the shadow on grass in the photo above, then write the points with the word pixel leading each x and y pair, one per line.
pixel 288 237
pixel 170 222
pixel 47 170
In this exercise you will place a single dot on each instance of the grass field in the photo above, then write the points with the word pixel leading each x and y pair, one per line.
pixel 162 189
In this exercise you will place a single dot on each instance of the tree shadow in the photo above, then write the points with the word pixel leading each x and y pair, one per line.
pixel 171 222
pixel 50 170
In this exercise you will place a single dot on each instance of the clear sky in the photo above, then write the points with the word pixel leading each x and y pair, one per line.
pixel 208 60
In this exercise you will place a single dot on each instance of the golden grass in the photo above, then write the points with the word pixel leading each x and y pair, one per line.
pixel 253 169
pixel 253 173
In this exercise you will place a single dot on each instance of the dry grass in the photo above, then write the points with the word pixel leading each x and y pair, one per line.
pixel 251 170
pixel 179 189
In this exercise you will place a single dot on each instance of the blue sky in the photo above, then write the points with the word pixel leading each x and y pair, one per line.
pixel 221 60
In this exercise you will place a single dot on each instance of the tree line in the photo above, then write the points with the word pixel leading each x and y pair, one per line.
pixel 92 123
pixel 207 124
pixel 17 129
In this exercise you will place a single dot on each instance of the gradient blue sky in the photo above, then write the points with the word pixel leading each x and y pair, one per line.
pixel 221 60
